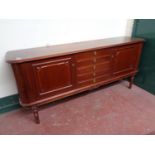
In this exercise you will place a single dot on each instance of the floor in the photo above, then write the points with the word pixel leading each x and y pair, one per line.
pixel 113 109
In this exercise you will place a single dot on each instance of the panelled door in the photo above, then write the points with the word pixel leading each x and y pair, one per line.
pixel 126 59
pixel 54 75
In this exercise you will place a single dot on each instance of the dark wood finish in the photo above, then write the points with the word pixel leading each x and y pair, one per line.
pixel 36 115
pixel 43 76
pixel 32 54
pixel 131 81
pixel 52 69
pixel 125 59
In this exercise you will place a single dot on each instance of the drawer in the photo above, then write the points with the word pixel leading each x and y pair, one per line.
pixel 84 77
pixel 85 69
pixel 105 58
pixel 84 56
pixel 105 52
pixel 85 83
pixel 85 62
pixel 102 78
pixel 103 66
pixel 102 72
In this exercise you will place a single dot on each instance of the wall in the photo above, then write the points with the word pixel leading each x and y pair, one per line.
pixel 20 34
pixel 145 28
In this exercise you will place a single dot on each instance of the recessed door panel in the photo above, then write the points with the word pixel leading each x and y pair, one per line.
pixel 125 59
pixel 54 75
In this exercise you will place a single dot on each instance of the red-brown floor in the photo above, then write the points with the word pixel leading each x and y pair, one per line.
pixel 113 109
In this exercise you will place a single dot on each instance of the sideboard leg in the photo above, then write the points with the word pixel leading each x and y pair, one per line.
pixel 36 114
pixel 131 82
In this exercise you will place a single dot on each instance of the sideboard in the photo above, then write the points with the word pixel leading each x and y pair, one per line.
pixel 49 73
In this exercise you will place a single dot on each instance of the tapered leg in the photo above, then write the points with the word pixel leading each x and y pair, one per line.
pixel 36 114
pixel 131 82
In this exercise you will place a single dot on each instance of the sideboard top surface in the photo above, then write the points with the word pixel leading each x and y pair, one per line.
pixel 19 56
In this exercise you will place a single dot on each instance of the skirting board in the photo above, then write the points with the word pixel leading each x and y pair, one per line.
pixel 9 103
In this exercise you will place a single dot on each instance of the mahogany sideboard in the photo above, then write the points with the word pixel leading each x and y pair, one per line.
pixel 46 74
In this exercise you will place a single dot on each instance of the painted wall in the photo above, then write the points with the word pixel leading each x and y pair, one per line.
pixel 20 34
pixel 145 28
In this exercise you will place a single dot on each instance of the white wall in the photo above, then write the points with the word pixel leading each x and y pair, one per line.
pixel 19 34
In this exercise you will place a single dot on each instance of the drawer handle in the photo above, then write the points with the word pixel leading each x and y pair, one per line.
pixel 117 53
pixel 73 65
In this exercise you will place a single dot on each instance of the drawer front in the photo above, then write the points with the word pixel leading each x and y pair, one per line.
pixel 85 83
pixel 103 66
pixel 84 77
pixel 84 69
pixel 102 77
pixel 84 62
pixel 105 52
pixel 104 59
pixel 84 56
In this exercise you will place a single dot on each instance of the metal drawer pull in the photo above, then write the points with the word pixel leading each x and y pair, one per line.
pixel 117 53
pixel 73 65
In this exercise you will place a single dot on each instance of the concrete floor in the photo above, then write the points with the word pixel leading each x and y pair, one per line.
pixel 113 109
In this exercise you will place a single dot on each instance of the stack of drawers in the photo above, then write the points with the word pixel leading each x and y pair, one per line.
pixel 93 66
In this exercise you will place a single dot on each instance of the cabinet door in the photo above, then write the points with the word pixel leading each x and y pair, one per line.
pixel 126 58
pixel 54 76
